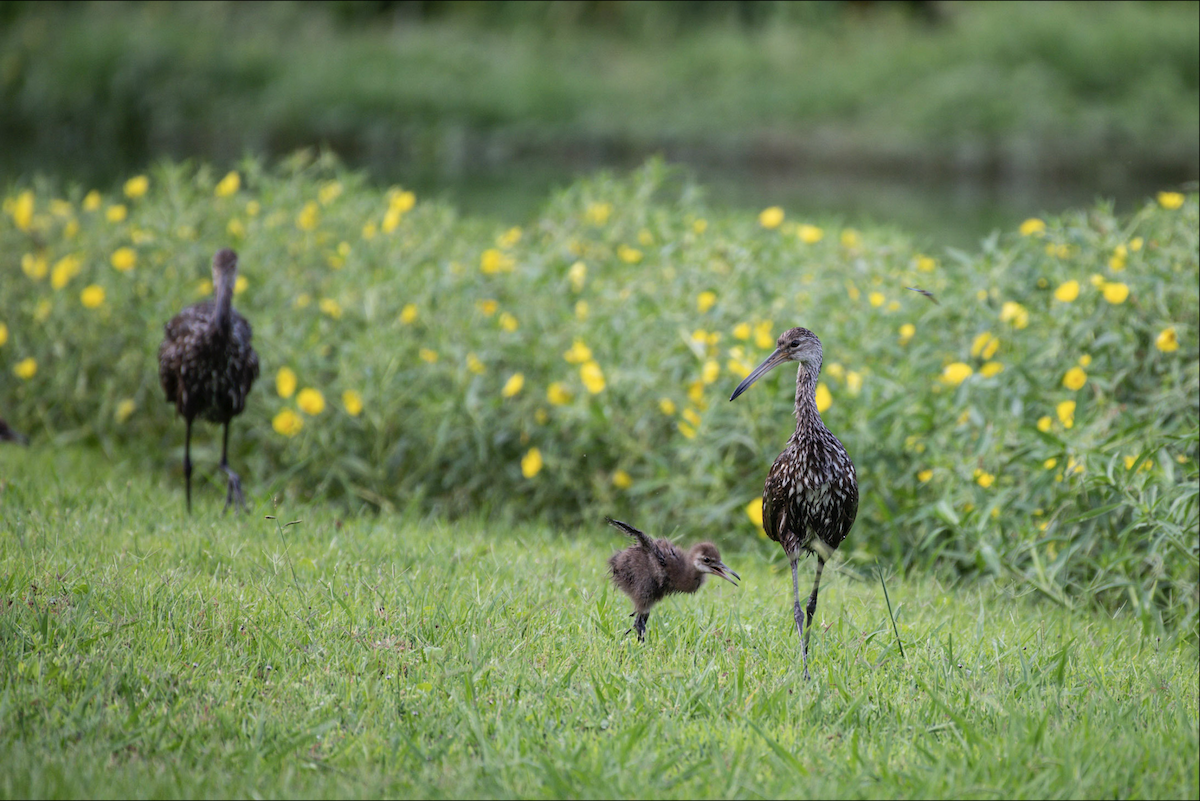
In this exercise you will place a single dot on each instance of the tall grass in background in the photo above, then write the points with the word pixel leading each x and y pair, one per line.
pixel 1039 422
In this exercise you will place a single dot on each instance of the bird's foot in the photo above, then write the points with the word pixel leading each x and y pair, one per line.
pixel 234 496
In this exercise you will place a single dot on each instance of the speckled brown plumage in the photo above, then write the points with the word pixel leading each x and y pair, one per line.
pixel 207 365
pixel 649 570
pixel 8 434
pixel 810 498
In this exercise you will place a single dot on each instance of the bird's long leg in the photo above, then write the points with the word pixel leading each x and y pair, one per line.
pixel 639 625
pixel 234 493
pixel 798 612
pixel 812 601
pixel 187 464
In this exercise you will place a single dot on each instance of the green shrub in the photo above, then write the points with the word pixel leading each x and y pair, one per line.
pixel 428 318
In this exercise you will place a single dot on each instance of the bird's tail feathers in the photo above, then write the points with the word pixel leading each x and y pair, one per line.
pixel 640 536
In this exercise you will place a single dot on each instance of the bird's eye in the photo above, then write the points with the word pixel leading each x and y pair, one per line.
pixel 795 343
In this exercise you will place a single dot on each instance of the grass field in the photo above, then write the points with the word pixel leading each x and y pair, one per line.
pixel 146 654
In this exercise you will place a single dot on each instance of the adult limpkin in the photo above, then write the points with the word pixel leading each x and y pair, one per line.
pixel 207 366
pixel 811 495
pixel 649 570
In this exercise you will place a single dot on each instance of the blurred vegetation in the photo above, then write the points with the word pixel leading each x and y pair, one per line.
pixel 1041 421
pixel 988 88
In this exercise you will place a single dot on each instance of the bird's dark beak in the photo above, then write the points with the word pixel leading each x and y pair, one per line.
pixel 722 570
pixel 771 362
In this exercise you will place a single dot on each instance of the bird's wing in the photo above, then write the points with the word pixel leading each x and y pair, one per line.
pixel 648 545
pixel 774 507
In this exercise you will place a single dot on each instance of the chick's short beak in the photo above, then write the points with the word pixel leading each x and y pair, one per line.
pixel 771 362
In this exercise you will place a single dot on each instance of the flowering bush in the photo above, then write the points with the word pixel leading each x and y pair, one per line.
pixel 583 365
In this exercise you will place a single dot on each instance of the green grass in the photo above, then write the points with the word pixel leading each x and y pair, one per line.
pixel 148 654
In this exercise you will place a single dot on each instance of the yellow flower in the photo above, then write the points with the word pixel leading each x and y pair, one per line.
pixel 513 385
pixel 1032 226
pixel 597 213
pixel 621 480
pixel 686 430
pixel 741 331
pixel 302 301
pixel 770 217
pixel 710 372
pixel 125 409
pixel 1050 463
pixel 850 238
pixel 581 310
pixel 836 370
pixel 980 342
pixel 136 187
pixel 92 297
pixel 492 261
pixel 510 237
pixel 1116 292
pixel 876 299
pixel 577 275
pixel 1067 291
pixel 754 511
pixel 330 307
pixel 508 322
pixel 124 259
pixel 738 367
pixel 990 369
pixel 956 373
pixel 691 416
pixel 1066 413
pixel 700 226
pixel 91 201
pixel 1043 423
pixel 667 406
pixel 310 401
pixel 925 475
pixel 22 210
pixel 229 184
pixel 854 382
pixel 352 402
pixel 401 200
pixel 474 365
pixel 762 335
pixel 593 377
pixel 1167 341
pixel 329 192
pixel 285 382
pixel 1117 262
pixel 287 423
pixel 907 332
pixel 1170 200
pixel 488 307
pixel 427 355
pixel 26 368
pixel 1097 280
pixel 925 264
pixel 824 398
pixel 116 213
pixel 408 314
pixel 3 334
pixel 64 270
pixel 629 255
pixel 240 284
pixel 1136 243
pixel 531 463
pixel 34 266
pixel 306 220
pixel 558 394
pixel 1075 378
pixel 579 353
pixel 1014 312
pixel 705 301
pixel 984 479
pixel 1085 360
pixel 809 234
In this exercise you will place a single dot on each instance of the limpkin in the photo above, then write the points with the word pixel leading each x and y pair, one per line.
pixel 649 570
pixel 811 495
pixel 8 434
pixel 207 366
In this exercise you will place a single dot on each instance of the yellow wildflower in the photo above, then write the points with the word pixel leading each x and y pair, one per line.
pixel 285 382
pixel 770 217
pixel 926 264
pixel 1116 292
pixel 577 275
pixel 26 368
pixel 809 234
pixel 287 423
pixel 925 475
pixel 91 201
pixel 1043 423
pixel 1116 262
pixel 474 365
pixel 487 306
pixel 1170 200
pixel 1085 360
pixel 492 261
pixel 854 382
pixel 1167 340
pixel 1014 312
pixel 907 332
pixel 1136 243
pixel 850 238
pixel 754 511
pixel 408 314
pixel 593 377
pixel 1075 378
pixel 329 192
pixel 531 463
pixel 836 370
pixel 306 220
pixel 92 297
pixel 427 355
pixel 741 331
pixel 956 373
pixel 508 322
pixel 136 187
pixel 64 270
pixel 124 259
pixel 705 301
pixel 1097 280
pixel 1067 291
pixel 738 367
pixel 876 299
pixel 558 394
pixel 579 353
pixel 824 397
pixel 1066 413
pixel 686 430
pixel 513 385
pixel 981 341
pixel 598 213
pixel 330 307
pixel 352 402
pixel 34 266
pixel 401 200
pixel 984 479
pixel 700 226
pixel 710 372
pixel 691 416
pixel 3 334
pixel 667 406
pixel 302 301
pixel 125 409
pixel 310 401
pixel 1050 463
pixel 22 210
pixel 240 284
pixel 621 480
pixel 991 369
pixel 228 185
pixel 116 213
pixel 581 310
pixel 629 255
pixel 1032 226
pixel 762 335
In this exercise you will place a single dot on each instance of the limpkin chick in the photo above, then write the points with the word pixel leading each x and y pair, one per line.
pixel 8 434
pixel 811 495
pixel 649 570
pixel 207 366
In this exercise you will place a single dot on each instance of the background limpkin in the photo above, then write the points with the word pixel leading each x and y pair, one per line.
pixel 811 495
pixel 207 366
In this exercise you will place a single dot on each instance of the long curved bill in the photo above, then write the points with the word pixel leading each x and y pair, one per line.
pixel 771 362
pixel 721 569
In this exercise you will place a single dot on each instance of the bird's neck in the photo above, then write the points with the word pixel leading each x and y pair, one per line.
pixel 686 577
pixel 223 305
pixel 807 416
